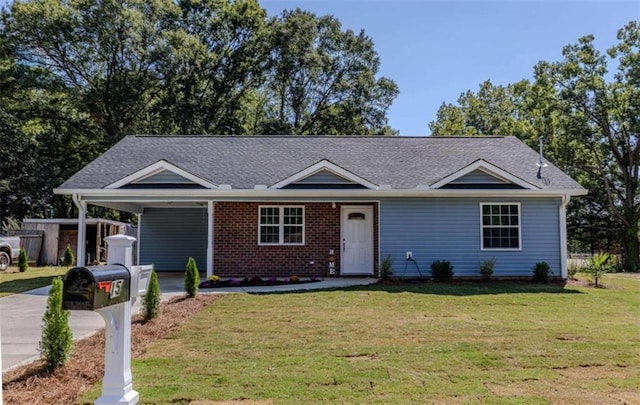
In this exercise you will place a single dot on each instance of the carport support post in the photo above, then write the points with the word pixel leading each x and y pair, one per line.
pixel 82 215
pixel 117 386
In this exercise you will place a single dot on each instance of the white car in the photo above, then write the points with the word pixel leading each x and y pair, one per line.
pixel 9 250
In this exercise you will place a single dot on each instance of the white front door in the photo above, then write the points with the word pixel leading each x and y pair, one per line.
pixel 357 240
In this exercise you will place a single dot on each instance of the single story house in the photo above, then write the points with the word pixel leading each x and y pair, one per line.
pixel 274 206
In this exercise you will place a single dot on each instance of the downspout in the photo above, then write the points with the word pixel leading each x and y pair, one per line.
pixel 82 213
pixel 138 242
pixel 210 212
pixel 563 236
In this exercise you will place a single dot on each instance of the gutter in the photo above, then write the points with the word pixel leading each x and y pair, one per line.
pixel 563 236
pixel 128 195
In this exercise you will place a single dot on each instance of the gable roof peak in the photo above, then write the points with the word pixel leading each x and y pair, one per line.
pixel 324 165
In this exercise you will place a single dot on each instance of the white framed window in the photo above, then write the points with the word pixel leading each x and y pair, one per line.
pixel 500 226
pixel 280 225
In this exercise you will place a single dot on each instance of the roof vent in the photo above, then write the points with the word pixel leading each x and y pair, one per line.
pixel 541 163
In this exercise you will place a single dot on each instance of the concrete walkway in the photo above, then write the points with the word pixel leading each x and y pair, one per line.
pixel 21 314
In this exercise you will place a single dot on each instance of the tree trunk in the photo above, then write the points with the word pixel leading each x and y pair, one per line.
pixel 630 242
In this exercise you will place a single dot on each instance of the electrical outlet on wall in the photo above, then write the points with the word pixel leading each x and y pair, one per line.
pixel 409 255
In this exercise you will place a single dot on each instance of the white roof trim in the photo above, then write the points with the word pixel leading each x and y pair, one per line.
pixel 322 166
pixel 156 168
pixel 488 168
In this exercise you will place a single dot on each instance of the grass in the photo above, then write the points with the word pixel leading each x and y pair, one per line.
pixel 494 343
pixel 12 281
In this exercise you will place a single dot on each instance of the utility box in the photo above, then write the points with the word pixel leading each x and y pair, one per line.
pixel 94 287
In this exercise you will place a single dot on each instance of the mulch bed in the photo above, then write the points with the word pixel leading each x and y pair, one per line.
pixel 30 384
pixel 254 282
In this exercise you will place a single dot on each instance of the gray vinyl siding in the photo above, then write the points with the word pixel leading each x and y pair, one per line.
pixel 477 177
pixel 164 177
pixel 449 229
pixel 324 177
pixel 169 236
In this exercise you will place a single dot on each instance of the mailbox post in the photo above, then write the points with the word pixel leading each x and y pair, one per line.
pixel 111 291
pixel 117 383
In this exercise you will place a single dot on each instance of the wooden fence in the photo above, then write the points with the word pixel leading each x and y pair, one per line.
pixel 30 241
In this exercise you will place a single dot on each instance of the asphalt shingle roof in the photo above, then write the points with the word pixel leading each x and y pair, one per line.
pixel 245 161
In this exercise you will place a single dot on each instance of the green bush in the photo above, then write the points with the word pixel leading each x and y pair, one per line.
pixel 151 301
pixel 598 266
pixel 386 267
pixel 541 272
pixel 572 270
pixel 191 278
pixel 441 270
pixel 57 340
pixel 23 261
pixel 486 269
pixel 68 257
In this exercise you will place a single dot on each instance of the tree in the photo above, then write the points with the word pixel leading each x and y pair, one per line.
pixel 322 80
pixel 108 52
pixel 57 339
pixel 493 110
pixel 151 301
pixel 191 278
pixel 45 132
pixel 222 58
pixel 23 262
pixel 599 265
pixel 68 259
pixel 603 118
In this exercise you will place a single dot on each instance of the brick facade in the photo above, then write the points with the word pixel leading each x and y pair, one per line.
pixel 237 253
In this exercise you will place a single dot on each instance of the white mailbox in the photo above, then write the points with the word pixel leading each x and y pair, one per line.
pixel 140 278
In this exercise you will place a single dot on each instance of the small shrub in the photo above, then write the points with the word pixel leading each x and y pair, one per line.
pixel 151 301
pixel 572 270
pixel 213 279
pixel 68 257
pixel 23 262
pixel 598 266
pixel 57 339
pixel 541 272
pixel 294 279
pixel 386 267
pixel 191 278
pixel 256 280
pixel 486 269
pixel 441 270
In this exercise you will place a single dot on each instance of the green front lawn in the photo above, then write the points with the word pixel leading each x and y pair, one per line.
pixel 12 281
pixel 497 343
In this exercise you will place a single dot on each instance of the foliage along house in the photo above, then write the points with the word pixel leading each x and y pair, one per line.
pixel 282 205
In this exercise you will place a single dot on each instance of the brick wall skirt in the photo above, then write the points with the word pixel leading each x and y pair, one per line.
pixel 238 254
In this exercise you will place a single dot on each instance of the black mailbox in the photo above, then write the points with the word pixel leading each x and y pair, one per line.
pixel 95 287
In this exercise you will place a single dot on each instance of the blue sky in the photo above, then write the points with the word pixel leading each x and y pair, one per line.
pixel 435 50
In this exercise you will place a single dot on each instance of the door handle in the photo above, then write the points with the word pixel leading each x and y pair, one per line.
pixel 344 246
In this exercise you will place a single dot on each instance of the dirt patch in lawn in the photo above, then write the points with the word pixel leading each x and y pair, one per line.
pixel 31 385
pixel 593 372
pixel 558 393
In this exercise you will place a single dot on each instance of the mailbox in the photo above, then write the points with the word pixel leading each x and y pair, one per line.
pixel 95 287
